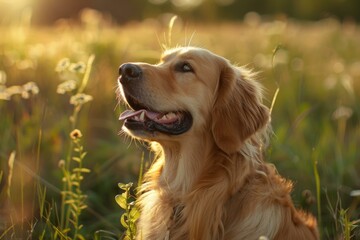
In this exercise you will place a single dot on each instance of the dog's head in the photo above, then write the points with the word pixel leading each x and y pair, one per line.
pixel 191 91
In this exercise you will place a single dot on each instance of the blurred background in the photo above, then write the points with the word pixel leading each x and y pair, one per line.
pixel 46 12
pixel 58 71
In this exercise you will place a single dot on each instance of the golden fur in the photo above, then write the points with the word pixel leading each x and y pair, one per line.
pixel 211 182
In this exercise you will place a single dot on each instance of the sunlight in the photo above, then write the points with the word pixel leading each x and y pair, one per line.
pixel 18 4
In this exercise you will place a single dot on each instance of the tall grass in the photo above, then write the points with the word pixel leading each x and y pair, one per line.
pixel 315 119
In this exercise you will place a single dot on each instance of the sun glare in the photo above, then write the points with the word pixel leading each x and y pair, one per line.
pixel 18 3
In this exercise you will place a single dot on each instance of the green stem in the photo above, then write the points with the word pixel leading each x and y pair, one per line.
pixel 128 208
pixel 87 74
pixel 318 186
pixel 65 210
pixel 79 194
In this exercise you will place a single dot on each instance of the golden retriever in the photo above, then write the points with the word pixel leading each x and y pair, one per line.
pixel 205 120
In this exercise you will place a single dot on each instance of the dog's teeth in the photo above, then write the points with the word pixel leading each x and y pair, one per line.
pixel 171 115
pixel 142 116
pixel 136 118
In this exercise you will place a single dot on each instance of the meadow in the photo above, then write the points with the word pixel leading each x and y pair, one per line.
pixel 57 183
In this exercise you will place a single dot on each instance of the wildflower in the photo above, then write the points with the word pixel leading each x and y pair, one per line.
pixel 75 134
pixel 25 95
pixel 62 65
pixel 66 86
pixel 31 87
pixel 14 90
pixel 80 99
pixel 78 67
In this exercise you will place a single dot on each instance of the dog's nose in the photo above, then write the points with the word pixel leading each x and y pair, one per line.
pixel 129 72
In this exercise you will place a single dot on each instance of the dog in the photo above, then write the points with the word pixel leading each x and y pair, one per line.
pixel 205 121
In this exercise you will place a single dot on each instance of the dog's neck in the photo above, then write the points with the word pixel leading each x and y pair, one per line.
pixel 184 162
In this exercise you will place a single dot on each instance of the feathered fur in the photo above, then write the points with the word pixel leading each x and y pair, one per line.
pixel 212 182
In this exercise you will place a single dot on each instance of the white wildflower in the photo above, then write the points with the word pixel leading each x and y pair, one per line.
pixel 78 67
pixel 25 95
pixel 14 90
pixel 62 65
pixel 31 87
pixel 80 99
pixel 66 86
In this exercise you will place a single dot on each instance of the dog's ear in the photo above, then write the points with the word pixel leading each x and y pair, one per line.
pixel 238 112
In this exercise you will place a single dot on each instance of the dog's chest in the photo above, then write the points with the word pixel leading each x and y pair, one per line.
pixel 161 218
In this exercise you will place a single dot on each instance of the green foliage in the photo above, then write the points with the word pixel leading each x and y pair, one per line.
pixel 73 198
pixel 127 202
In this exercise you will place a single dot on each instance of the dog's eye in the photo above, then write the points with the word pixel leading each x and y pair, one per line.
pixel 184 67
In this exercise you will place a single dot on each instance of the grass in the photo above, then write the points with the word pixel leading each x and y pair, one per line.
pixel 314 76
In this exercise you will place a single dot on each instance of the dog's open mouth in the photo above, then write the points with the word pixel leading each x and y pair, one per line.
pixel 143 118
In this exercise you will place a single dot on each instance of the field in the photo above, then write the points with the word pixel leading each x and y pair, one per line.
pixel 61 184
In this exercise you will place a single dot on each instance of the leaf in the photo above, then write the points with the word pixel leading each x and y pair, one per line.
pixel 74 214
pixel 70 201
pixel 132 228
pixel 134 214
pixel 76 159
pixel 123 221
pixel 75 184
pixel 83 170
pixel 121 200
pixel 124 186
pixel 79 236
pixel 83 207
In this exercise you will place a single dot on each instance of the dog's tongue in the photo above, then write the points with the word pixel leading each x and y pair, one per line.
pixel 130 113
pixel 141 115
